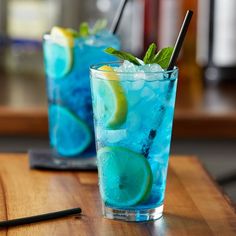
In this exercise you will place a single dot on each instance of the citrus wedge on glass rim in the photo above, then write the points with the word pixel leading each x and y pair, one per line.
pixel 58 53
pixel 110 104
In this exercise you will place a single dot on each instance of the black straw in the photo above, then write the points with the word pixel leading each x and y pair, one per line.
pixel 119 13
pixel 180 39
pixel 179 42
pixel 38 218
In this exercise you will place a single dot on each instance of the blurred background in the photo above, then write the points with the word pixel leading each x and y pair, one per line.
pixel 205 117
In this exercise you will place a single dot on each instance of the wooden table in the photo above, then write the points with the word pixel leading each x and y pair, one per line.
pixel 193 206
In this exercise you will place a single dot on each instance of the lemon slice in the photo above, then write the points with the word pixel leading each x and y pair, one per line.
pixel 58 53
pixel 125 177
pixel 68 133
pixel 110 104
pixel 62 36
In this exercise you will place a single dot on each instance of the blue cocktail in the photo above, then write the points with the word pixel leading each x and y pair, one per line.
pixel 67 57
pixel 133 112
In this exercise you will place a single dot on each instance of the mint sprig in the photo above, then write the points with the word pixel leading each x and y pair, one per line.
pixel 162 57
pixel 123 55
pixel 98 26
pixel 84 29
pixel 150 54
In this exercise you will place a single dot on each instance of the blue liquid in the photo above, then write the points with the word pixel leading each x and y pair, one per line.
pixel 146 131
pixel 71 92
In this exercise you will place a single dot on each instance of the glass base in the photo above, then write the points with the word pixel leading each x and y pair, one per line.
pixel 133 215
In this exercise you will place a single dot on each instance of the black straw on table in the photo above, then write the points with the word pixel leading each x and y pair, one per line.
pixel 178 45
pixel 38 218
pixel 119 13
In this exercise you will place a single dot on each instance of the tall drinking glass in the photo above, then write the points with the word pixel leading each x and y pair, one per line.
pixel 67 62
pixel 133 115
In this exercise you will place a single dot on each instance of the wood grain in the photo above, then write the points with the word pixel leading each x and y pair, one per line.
pixel 193 205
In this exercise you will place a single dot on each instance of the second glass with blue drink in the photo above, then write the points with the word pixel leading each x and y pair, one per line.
pixel 67 57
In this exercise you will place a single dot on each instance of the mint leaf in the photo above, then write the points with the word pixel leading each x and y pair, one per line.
pixel 149 56
pixel 163 57
pixel 98 26
pixel 123 55
pixel 84 29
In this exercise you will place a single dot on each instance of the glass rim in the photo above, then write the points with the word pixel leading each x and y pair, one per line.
pixel 90 40
pixel 47 36
pixel 95 68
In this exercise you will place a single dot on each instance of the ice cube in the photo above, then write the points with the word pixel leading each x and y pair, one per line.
pixel 155 68
pixel 134 98
pixel 138 84
pixel 126 67
pixel 114 136
pixel 147 93
pixel 133 121
pixel 153 72
pixel 154 84
pixel 143 71
pixel 140 61
pixel 140 75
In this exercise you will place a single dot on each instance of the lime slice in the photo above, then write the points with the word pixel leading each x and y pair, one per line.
pixel 110 104
pixel 58 53
pixel 125 176
pixel 69 135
